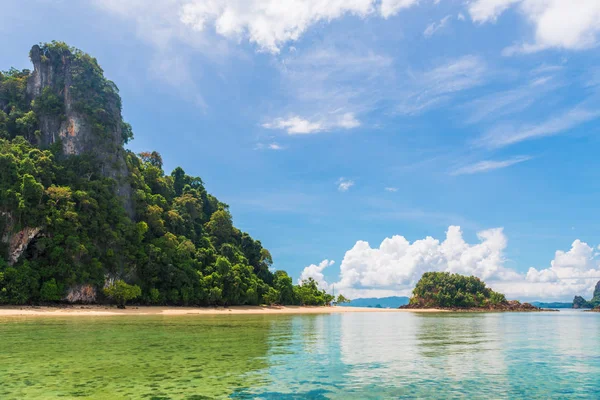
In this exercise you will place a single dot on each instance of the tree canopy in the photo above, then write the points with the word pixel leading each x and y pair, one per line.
pixel 443 289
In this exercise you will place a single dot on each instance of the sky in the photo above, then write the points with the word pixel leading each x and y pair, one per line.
pixel 365 142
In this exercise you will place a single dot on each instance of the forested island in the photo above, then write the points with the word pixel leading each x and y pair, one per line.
pixel 83 220
pixel 446 291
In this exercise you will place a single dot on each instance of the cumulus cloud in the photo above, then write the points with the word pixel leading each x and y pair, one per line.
pixel 572 272
pixel 269 24
pixel 394 267
pixel 391 189
pixel 296 125
pixel 316 272
pixel 557 23
pixel 489 165
pixel 344 184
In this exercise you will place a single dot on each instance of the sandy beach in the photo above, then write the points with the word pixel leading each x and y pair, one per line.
pixel 99 311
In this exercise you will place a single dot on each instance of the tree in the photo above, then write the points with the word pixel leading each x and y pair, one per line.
pixel 220 226
pixel 282 282
pixel 121 292
pixel 341 299
pixel 272 296
pixel 443 289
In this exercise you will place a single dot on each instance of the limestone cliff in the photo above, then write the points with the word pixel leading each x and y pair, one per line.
pixel 81 109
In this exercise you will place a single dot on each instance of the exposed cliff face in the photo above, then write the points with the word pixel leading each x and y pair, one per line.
pixel 17 241
pixel 82 118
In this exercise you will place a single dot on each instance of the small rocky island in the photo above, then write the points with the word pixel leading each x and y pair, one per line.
pixel 594 303
pixel 455 292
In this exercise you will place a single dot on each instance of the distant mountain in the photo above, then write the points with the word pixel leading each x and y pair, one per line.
pixel 552 305
pixel 382 302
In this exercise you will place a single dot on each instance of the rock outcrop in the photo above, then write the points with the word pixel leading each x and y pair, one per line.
pixel 84 120
pixel 81 294
pixel 580 302
pixel 17 242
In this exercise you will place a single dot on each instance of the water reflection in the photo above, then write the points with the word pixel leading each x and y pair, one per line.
pixel 340 356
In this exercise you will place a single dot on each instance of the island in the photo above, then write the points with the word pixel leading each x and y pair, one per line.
pixel 455 292
pixel 84 220
pixel 593 304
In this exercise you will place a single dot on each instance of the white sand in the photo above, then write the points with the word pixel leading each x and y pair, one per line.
pixel 98 311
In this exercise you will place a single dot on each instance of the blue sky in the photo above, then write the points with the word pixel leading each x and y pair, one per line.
pixel 324 124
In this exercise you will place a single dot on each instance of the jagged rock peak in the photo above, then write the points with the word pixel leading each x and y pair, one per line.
pixel 79 107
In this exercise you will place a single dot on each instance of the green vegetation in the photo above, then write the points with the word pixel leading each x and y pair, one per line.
pixel 342 300
pixel 442 289
pixel 580 302
pixel 180 248
pixel 121 292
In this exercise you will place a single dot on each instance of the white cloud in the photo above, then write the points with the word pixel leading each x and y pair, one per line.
pixel 436 26
pixel 557 23
pixel 501 103
pixel 316 272
pixel 344 184
pixel 574 272
pixel 489 165
pixel 392 7
pixel 506 135
pixel 296 125
pixel 270 24
pixel 488 10
pixel 211 28
pixel 396 265
pixel 435 86
pixel 269 146
pixel 334 85
pixel 347 121
pixel 391 189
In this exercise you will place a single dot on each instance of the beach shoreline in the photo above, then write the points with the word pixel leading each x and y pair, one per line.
pixel 102 310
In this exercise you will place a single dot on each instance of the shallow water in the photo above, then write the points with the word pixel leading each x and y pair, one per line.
pixel 337 356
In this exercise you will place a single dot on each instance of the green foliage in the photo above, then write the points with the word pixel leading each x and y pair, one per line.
pixel 341 299
pixel 121 292
pixel 308 294
pixel 48 103
pixel 580 302
pixel 181 248
pixel 50 291
pixel 442 289
pixel 282 282
pixel 272 296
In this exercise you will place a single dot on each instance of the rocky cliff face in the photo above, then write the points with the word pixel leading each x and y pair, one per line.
pixel 17 241
pixel 84 112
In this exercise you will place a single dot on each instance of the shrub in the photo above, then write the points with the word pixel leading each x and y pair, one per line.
pixel 121 292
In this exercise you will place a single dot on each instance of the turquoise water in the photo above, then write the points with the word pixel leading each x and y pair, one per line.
pixel 338 356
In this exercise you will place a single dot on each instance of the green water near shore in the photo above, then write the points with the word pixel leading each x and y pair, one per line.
pixel 338 356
